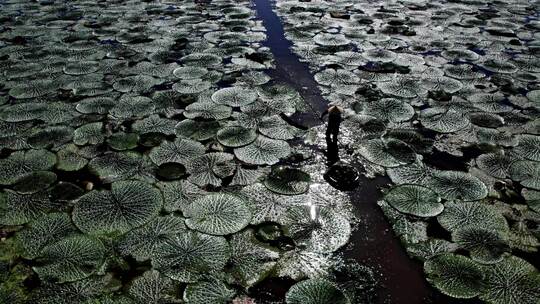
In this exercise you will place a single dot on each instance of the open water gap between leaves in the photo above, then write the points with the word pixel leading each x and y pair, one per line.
pixel 373 243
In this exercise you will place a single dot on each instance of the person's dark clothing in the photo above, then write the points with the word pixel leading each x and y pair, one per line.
pixel 334 121
pixel 332 151
pixel 332 132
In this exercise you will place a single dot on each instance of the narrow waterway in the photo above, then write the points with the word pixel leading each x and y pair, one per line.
pixel 289 68
pixel 373 244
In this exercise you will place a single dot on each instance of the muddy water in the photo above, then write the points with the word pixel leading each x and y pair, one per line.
pixel 373 244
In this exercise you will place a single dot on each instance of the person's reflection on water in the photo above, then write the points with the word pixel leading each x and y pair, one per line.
pixel 332 132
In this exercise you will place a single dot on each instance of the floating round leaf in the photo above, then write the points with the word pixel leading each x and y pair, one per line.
pixel 267 206
pixel 521 237
pixel 315 291
pixel 236 136
pixel 89 134
pixel 151 139
pixel 460 54
pixel 141 243
pixel 251 260
pixel 179 194
pixel 190 72
pixel 210 168
pixel 59 113
pixel 381 55
pixel 70 259
pixel 485 246
pixel 288 181
pixel 123 141
pixel 410 231
pixel 213 291
pixel 276 128
pixel 490 102
pixel 33 89
pixel 207 110
pixel 154 124
pixel 82 291
pixel 527 173
pixel 454 275
pixel 528 147
pixel 486 120
pixel 129 204
pixel 95 105
pixel 45 231
pixel 402 86
pixel 35 182
pixel 349 58
pixel 234 96
pixel 263 151
pixel 50 137
pixel 495 164
pixel 534 96
pixel 187 256
pixel 444 120
pixel 254 78
pixel 432 247
pixel 115 166
pixel 201 60
pixel 277 92
pixel 218 214
pixel 81 68
pixel 461 215
pixel 457 185
pixel 511 281
pixel 462 72
pixel 169 99
pixel 245 64
pixel 387 152
pixel 415 199
pixel 445 84
pixel 181 151
pixel 332 40
pixel 138 83
pixel 23 112
pixel 318 229
pixel 300 264
pixel 132 106
pixel 18 209
pixel 386 109
pixel 191 86
pixel 499 66
pixel 197 130
pixel 414 173
pixel 245 176
pixel 22 163
pixel 533 199
pixel 152 287
pixel 332 77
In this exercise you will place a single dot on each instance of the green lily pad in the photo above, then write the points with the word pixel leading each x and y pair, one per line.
pixel 218 214
pixel 129 204
pixel 415 199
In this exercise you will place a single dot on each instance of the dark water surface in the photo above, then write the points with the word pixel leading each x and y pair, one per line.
pixel 373 243
pixel 289 69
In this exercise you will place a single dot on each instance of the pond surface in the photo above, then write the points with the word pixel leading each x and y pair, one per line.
pixel 176 152
pixel 373 243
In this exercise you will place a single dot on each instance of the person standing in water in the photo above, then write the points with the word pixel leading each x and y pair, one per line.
pixel 332 132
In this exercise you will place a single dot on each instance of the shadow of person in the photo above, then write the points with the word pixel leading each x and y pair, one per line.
pixel 339 175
